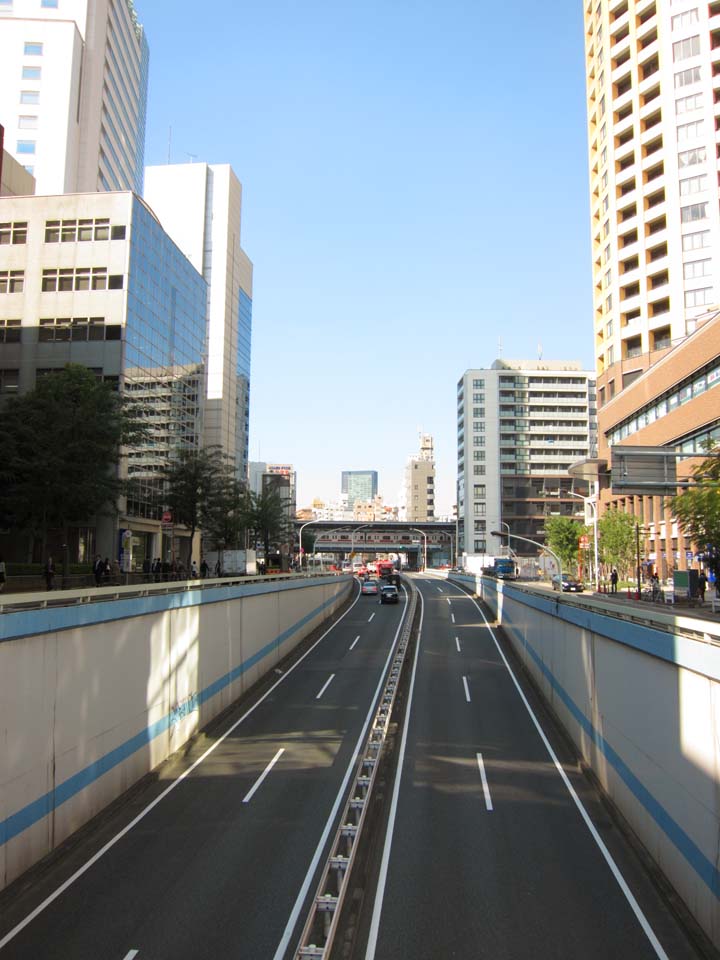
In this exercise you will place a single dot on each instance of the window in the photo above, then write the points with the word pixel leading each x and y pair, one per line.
pixel 31 73
pixel 10 330
pixel 30 96
pixel 81 278
pixel 695 211
pixel 51 4
pixel 693 185
pixel 33 50
pixel 72 231
pixel 12 281
pixel 686 104
pixel 689 47
pixel 9 381
pixel 478 411
pixel 685 77
pixel 27 123
pixel 479 509
pixel 478 384
pixel 699 298
pixel 684 19
pixel 115 282
pixel 697 268
pixel 25 146
pixel 686 131
pixel 695 241
pixel 117 233
pixel 479 491
pixel 688 158
pixel 13 232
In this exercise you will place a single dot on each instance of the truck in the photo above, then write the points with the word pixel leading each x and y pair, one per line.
pixel 385 568
pixel 505 568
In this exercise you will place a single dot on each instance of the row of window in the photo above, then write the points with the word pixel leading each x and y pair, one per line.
pixel 65 231
pixel 61 329
pixel 80 278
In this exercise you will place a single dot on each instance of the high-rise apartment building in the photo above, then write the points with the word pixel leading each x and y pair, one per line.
pixel 418 493
pixel 654 140
pixel 73 92
pixel 521 424
pixel 200 205
pixel 358 485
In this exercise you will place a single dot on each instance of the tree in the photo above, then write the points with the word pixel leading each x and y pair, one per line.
pixel 617 539
pixel 192 483
pixel 562 535
pixel 227 514
pixel 698 508
pixel 268 518
pixel 60 446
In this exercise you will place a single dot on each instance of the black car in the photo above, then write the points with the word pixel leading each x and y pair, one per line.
pixel 389 594
pixel 569 584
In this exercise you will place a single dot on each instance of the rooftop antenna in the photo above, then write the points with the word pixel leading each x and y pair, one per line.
pixel 539 351
pixel 193 156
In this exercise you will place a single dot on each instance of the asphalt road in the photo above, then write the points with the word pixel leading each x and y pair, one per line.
pixel 487 854
pixel 218 867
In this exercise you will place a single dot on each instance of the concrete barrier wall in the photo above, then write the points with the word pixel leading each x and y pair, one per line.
pixel 92 697
pixel 643 707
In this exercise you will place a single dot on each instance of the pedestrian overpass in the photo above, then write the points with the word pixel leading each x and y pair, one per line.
pixel 433 541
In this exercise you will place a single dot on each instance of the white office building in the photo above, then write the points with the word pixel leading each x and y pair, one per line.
pixel 73 92
pixel 521 424
pixel 200 205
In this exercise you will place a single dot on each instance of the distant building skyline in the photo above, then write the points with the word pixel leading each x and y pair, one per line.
pixel 359 485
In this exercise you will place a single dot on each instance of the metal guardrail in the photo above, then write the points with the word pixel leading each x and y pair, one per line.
pixel 321 925
pixel 39 600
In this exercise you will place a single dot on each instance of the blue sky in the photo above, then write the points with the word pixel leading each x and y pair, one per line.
pixel 415 203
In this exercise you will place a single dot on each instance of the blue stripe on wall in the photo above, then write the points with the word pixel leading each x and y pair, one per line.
pixel 704 868
pixel 31 814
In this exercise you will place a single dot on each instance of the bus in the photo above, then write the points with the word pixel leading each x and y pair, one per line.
pixel 505 568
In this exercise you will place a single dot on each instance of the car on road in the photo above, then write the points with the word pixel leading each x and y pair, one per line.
pixel 569 584
pixel 369 587
pixel 389 594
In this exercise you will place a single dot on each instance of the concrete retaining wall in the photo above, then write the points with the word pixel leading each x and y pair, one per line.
pixel 643 707
pixel 92 697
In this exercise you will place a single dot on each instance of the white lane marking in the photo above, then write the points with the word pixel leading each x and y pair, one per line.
pixel 354 641
pixel 452 617
pixel 248 796
pixel 131 955
pixel 143 813
pixel 467 689
pixel 439 589
pixel 448 601
pixel 370 617
pixel 486 789
pixel 325 686
pixel 302 895
pixel 457 643
pixel 634 905
pixel 382 878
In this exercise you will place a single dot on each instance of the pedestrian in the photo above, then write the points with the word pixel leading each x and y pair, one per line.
pixel 218 569
pixel 98 570
pixel 193 570
pixel 49 572
pixel 204 568
pixel 655 587
pixel 106 570
pixel 702 586
pixel 613 580
pixel 3 575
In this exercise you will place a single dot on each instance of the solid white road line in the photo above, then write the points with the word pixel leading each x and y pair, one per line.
pixel 302 895
pixel 634 905
pixel 452 617
pixel 439 589
pixel 457 643
pixel 131 955
pixel 382 878
pixel 486 789
pixel 449 602
pixel 176 783
pixel 248 797
pixel 467 689
pixel 325 686
pixel 370 617
pixel 354 641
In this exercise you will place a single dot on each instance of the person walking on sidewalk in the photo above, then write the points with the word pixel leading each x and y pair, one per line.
pixel 613 580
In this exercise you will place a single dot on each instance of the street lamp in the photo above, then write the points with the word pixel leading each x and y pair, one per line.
pixel 424 535
pixel 352 537
pixel 514 536
pixel 510 549
pixel 323 533
pixel 300 550
pixel 591 501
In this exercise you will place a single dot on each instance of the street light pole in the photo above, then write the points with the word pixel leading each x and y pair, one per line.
pixel 300 550
pixel 590 501
pixel 424 535
pixel 352 538
pixel 514 536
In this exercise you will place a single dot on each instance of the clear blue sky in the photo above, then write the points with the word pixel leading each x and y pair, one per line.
pixel 414 191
